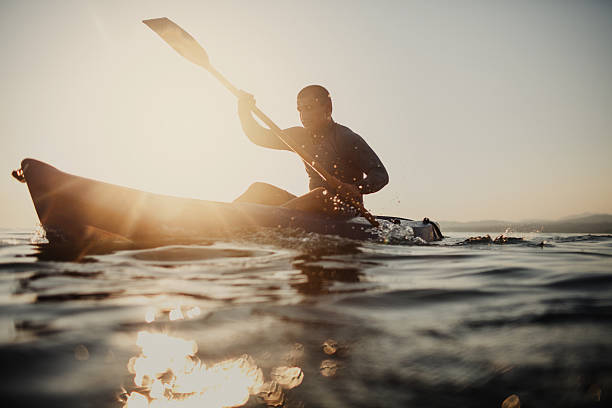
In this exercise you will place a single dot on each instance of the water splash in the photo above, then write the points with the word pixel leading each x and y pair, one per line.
pixel 397 233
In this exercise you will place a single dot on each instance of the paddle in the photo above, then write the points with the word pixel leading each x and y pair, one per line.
pixel 189 48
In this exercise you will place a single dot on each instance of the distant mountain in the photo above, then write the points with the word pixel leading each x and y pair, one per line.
pixel 589 223
pixel 574 216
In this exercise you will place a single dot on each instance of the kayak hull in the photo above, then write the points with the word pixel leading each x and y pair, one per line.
pixel 73 208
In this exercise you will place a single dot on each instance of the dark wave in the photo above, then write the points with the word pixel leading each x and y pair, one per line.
pixel 18 266
pixel 181 254
pixel 556 311
pixel 64 297
pixel 404 298
pixel 68 274
pixel 514 271
pixel 584 253
pixel 583 238
pixel 424 257
pixel 594 282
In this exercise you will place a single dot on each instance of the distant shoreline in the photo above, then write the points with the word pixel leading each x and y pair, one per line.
pixel 599 223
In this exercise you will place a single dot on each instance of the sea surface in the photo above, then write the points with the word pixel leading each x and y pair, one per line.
pixel 284 318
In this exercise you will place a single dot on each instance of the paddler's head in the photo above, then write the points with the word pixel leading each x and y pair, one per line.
pixel 315 107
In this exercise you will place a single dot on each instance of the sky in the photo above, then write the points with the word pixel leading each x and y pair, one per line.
pixel 478 109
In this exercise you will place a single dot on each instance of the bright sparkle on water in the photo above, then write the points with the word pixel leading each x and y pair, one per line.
pixel 173 376
pixel 168 373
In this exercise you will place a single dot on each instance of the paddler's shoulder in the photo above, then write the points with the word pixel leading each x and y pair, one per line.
pixel 346 133
pixel 296 132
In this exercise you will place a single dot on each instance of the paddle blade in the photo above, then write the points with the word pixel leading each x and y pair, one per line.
pixel 179 39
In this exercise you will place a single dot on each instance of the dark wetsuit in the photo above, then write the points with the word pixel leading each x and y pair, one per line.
pixel 339 150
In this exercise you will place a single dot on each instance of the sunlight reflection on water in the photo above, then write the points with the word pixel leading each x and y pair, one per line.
pixel 168 373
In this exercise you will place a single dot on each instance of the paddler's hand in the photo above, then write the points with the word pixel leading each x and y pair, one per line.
pixel 246 101
pixel 348 193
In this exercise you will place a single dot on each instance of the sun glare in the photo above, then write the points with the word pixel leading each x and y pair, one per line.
pixel 168 373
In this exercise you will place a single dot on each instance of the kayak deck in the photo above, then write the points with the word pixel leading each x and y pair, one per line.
pixel 73 208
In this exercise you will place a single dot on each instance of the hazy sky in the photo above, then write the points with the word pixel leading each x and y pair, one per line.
pixel 479 109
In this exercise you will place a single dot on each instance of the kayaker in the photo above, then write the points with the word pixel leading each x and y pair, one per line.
pixel 339 150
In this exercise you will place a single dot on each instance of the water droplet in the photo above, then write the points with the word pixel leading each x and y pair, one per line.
pixel 287 377
pixel 330 346
pixel 512 401
pixel 328 368
pixel 272 394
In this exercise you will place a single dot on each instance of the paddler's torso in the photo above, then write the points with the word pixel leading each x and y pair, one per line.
pixel 334 148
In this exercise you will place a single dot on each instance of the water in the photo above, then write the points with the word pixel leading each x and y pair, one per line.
pixel 335 323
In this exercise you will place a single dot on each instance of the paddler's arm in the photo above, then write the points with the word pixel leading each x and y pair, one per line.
pixel 254 131
pixel 369 163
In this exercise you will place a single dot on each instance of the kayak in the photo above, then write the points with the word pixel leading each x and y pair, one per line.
pixel 73 208
pixel 76 209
